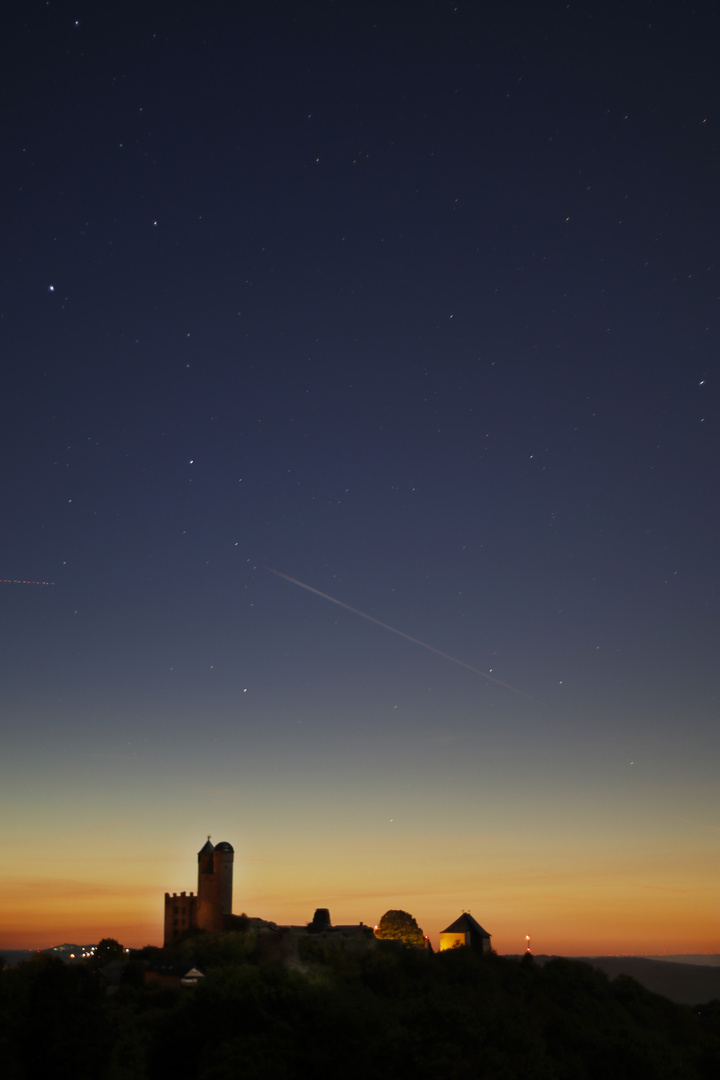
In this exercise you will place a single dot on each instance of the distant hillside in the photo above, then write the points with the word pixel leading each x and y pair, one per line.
pixel 705 959
pixel 66 952
pixel 685 984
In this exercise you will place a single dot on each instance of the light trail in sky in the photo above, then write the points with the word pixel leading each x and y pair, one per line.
pixel 19 581
pixel 400 633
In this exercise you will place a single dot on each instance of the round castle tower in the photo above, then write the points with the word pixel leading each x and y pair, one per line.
pixel 223 866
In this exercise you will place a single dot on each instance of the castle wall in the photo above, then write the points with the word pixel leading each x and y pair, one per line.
pixel 453 941
pixel 180 915
pixel 207 905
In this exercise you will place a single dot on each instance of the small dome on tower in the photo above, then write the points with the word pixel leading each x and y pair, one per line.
pixel 224 846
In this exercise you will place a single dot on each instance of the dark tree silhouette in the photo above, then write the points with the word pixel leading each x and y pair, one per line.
pixel 108 949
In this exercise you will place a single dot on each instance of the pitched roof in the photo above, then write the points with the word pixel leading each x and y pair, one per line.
pixel 465 925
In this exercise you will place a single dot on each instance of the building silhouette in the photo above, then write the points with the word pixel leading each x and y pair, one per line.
pixel 465 931
pixel 211 907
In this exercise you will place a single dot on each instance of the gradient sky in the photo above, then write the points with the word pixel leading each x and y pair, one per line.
pixel 418 305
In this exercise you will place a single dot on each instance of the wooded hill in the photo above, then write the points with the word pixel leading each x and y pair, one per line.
pixel 386 1013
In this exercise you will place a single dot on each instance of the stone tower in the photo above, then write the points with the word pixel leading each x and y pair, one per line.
pixel 223 865
pixel 209 910
pixel 214 894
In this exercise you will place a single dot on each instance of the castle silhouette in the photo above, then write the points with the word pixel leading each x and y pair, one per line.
pixel 211 908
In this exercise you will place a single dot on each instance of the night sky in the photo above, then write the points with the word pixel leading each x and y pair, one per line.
pixel 414 304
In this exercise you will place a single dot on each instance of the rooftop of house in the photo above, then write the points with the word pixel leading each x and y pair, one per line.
pixel 466 925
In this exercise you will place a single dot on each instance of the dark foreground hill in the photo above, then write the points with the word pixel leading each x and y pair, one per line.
pixel 384 1014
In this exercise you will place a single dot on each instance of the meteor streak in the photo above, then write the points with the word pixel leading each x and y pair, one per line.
pixel 400 633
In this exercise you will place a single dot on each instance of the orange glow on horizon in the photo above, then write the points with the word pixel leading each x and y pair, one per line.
pixel 579 903
pixel 612 925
